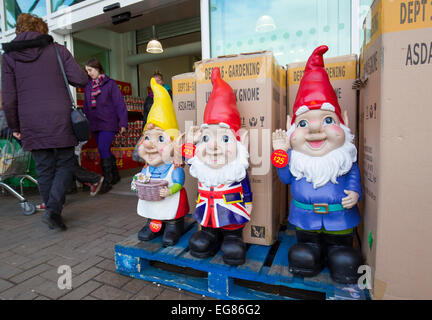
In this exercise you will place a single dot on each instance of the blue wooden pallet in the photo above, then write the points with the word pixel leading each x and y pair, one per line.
pixel 135 258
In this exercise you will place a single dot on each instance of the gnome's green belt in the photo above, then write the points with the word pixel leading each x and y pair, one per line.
pixel 322 208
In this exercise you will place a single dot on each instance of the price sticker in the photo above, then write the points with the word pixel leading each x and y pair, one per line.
pixel 279 158
pixel 188 150
pixel 155 226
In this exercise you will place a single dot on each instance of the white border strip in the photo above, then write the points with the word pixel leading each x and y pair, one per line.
pixel 205 28
pixel 355 27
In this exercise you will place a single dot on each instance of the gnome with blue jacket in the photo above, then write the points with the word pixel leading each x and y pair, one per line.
pixel 324 177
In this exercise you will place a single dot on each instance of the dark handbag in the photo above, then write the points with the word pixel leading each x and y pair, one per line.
pixel 80 124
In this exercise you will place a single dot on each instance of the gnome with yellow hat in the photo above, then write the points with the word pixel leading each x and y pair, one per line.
pixel 165 213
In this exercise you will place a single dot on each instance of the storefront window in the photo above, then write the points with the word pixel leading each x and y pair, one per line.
pixel 60 4
pixel 290 29
pixel 364 9
pixel 13 8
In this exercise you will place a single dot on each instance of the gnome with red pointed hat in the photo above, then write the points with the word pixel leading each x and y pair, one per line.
pixel 224 202
pixel 324 178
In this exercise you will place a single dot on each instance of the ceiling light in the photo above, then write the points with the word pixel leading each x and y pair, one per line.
pixel 154 46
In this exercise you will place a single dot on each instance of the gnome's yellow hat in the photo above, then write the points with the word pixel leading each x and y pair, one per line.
pixel 162 112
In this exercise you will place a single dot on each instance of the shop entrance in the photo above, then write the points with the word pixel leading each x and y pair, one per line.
pixel 84 51
pixel 121 49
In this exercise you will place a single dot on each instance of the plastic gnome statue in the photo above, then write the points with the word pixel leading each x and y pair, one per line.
pixel 324 177
pixel 157 149
pixel 224 199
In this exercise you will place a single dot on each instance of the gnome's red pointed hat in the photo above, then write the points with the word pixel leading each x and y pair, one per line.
pixel 315 90
pixel 221 107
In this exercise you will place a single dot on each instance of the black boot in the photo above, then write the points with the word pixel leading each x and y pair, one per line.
pixel 306 256
pixel 342 258
pixel 173 231
pixel 205 243
pixel 146 234
pixel 233 247
pixel 115 173
pixel 53 221
pixel 107 174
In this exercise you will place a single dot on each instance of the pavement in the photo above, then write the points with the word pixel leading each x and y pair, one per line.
pixel 31 254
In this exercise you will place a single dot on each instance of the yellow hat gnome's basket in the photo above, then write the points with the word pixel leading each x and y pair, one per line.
pixel 150 191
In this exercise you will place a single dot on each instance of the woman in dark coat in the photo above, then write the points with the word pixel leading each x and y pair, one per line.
pixel 106 111
pixel 38 108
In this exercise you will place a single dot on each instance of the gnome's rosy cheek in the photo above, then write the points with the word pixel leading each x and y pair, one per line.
pixel 337 130
pixel 141 150
pixel 293 137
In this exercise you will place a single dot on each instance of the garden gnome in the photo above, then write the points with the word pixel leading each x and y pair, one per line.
pixel 224 201
pixel 324 178
pixel 157 149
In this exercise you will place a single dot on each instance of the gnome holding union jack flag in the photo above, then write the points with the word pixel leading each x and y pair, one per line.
pixel 224 202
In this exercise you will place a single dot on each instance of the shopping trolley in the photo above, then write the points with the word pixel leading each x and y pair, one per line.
pixel 15 163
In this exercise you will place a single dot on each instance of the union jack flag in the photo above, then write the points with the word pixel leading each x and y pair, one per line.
pixel 223 205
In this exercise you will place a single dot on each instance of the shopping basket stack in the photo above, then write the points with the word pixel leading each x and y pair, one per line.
pixel 15 163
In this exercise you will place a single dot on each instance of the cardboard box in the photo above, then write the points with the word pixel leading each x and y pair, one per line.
pixel 395 128
pixel 342 72
pixel 183 89
pixel 255 80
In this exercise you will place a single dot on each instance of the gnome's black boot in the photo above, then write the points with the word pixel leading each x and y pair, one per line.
pixel 343 259
pixel 115 173
pixel 107 174
pixel 146 233
pixel 205 243
pixel 233 247
pixel 173 231
pixel 306 256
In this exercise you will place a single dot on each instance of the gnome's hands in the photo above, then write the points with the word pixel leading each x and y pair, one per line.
pixel 280 140
pixel 193 135
pixel 351 200
pixel 164 192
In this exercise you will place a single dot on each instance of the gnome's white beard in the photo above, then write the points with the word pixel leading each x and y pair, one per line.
pixel 321 170
pixel 231 172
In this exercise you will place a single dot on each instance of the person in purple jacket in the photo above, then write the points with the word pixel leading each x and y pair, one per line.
pixel 38 108
pixel 106 111
pixel 324 177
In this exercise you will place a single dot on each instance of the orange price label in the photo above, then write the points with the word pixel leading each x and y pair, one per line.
pixel 279 158
pixel 155 225
pixel 188 150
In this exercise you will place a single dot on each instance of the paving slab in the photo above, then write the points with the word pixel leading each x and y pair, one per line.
pixel 30 253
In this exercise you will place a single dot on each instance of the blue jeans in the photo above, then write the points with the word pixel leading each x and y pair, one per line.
pixel 55 168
